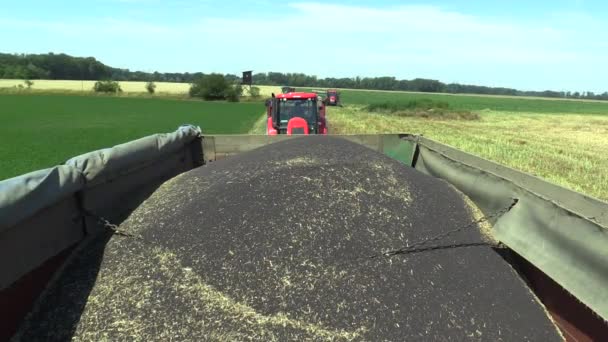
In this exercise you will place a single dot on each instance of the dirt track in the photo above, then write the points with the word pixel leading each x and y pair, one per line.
pixel 275 244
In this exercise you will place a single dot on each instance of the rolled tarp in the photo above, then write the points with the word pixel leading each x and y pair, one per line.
pixel 109 163
pixel 23 196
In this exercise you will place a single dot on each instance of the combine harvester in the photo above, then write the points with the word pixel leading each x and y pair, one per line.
pixel 330 97
pixel 185 236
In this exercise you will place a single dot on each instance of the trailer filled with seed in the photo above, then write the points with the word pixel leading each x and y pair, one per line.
pixel 184 236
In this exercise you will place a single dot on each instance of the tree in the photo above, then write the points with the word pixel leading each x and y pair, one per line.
pixel 254 92
pixel 151 87
pixel 215 87
pixel 65 67
pixel 234 92
pixel 107 87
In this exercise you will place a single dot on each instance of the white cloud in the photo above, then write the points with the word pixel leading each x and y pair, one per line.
pixel 406 35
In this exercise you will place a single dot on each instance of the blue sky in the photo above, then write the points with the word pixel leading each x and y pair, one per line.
pixel 557 45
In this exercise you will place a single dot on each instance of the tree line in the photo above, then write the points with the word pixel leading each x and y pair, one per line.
pixel 65 67
pixel 418 84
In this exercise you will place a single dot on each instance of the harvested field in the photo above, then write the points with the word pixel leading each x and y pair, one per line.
pixel 275 244
pixel 128 87
pixel 563 148
pixel 87 86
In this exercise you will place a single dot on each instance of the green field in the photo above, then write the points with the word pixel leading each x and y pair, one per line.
pixel 38 131
pixel 478 102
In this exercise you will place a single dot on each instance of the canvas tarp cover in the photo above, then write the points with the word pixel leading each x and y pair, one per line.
pixel 561 232
pixel 101 165
pixel 25 196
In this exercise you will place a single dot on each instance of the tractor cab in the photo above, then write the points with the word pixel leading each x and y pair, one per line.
pixel 332 98
pixel 295 113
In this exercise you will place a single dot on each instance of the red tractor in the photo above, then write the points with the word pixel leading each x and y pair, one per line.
pixel 295 113
pixel 332 98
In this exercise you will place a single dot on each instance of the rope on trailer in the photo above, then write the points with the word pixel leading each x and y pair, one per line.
pixel 416 246
pixel 109 225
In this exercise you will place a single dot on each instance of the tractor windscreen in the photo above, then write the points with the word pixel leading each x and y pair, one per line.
pixel 303 108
